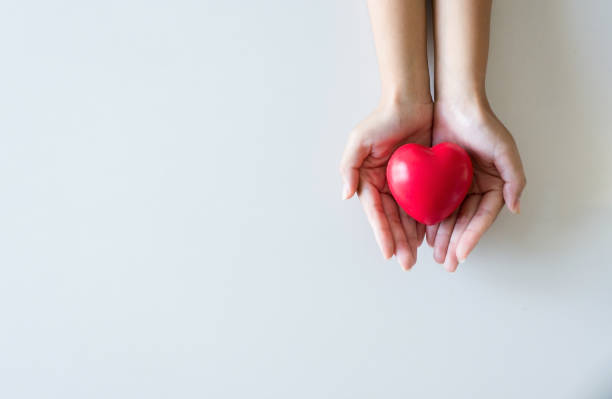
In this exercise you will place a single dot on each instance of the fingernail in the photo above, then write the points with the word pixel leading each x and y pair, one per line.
pixel 460 260
pixel 345 191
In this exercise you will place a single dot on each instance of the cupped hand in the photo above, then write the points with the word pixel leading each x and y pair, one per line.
pixel 363 170
pixel 498 178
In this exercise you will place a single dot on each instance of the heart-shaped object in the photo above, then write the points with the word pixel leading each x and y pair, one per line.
pixel 429 183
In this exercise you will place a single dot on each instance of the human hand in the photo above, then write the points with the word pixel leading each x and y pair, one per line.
pixel 363 169
pixel 498 177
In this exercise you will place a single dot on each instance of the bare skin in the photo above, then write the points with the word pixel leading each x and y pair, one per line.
pixel 404 114
pixel 461 114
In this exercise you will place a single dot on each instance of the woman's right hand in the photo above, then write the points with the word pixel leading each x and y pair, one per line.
pixel 363 169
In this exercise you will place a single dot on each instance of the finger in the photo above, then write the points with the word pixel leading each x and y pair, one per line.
pixel 443 237
pixel 354 154
pixel 467 210
pixel 420 233
pixel 508 163
pixel 402 247
pixel 373 207
pixel 488 209
pixel 431 233
pixel 410 229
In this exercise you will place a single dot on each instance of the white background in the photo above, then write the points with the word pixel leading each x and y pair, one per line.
pixel 171 223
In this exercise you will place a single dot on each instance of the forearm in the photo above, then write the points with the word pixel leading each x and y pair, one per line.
pixel 461 49
pixel 400 35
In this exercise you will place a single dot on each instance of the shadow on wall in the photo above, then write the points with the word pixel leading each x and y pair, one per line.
pixel 539 86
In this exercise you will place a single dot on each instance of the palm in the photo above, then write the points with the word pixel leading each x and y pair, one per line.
pixel 486 176
pixel 374 168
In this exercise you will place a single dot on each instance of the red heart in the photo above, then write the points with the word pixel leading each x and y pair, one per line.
pixel 429 183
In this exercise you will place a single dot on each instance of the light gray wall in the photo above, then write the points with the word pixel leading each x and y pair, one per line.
pixel 171 223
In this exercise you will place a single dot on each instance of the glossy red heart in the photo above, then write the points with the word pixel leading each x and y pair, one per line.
pixel 429 183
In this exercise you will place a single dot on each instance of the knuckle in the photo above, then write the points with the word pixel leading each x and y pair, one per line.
pixel 462 219
pixel 354 136
pixel 508 147
pixel 484 213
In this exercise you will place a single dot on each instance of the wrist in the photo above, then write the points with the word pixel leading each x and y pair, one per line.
pixel 406 85
pixel 405 93
pixel 461 89
pixel 475 109
pixel 468 99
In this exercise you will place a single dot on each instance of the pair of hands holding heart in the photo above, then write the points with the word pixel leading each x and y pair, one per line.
pixel 498 176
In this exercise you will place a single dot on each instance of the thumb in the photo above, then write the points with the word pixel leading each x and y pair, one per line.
pixel 508 163
pixel 354 155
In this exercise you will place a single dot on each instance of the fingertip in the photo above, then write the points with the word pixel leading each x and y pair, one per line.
pixel 411 262
pixel 512 198
pixel 430 235
pixel 407 268
pixel 515 208
pixel 462 252
pixel 347 192
pixel 438 255
pixel 387 250
pixel 451 267
pixel 406 260
pixel 350 182
pixel 450 263
pixel 420 234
